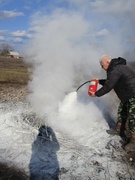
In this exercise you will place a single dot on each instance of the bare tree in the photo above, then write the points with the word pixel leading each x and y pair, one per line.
pixel 5 49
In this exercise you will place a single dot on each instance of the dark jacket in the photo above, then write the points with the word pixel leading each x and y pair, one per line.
pixel 121 78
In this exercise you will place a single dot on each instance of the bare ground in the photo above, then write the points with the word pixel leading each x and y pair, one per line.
pixel 13 92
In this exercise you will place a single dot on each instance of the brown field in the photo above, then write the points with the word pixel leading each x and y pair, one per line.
pixel 13 71
pixel 14 77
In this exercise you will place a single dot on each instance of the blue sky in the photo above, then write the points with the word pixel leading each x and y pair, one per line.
pixel 15 18
pixel 106 17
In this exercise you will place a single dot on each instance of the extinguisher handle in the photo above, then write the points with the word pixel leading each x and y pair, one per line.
pixel 94 79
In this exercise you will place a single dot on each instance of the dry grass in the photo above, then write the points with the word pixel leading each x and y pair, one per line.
pixel 14 71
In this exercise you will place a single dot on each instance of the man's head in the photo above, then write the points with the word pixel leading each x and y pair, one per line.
pixel 105 62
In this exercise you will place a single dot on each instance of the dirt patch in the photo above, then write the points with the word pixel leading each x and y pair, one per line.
pixel 13 92
pixel 14 77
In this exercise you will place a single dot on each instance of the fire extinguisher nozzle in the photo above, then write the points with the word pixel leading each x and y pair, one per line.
pixel 82 85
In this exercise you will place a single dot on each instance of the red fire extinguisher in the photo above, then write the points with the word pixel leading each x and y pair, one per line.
pixel 93 86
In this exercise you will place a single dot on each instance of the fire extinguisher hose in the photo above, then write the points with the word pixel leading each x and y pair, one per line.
pixel 82 85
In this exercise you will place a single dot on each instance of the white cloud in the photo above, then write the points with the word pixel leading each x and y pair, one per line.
pixel 103 32
pixel 21 33
pixel 34 28
pixel 27 7
pixel 114 7
pixel 2 38
pixel 97 4
pixel 3 32
pixel 18 40
pixel 9 14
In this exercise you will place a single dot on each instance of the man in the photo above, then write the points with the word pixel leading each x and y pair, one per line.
pixel 121 79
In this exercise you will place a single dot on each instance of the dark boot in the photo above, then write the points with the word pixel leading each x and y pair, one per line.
pixel 112 132
pixel 115 131
pixel 131 145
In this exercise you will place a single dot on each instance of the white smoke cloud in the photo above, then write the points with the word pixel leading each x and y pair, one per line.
pixel 59 47
pixel 103 32
pixel 66 50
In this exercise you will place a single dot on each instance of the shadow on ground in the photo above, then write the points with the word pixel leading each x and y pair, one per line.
pixel 44 164
pixel 11 173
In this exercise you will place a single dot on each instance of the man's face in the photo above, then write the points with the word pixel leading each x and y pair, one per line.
pixel 104 64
